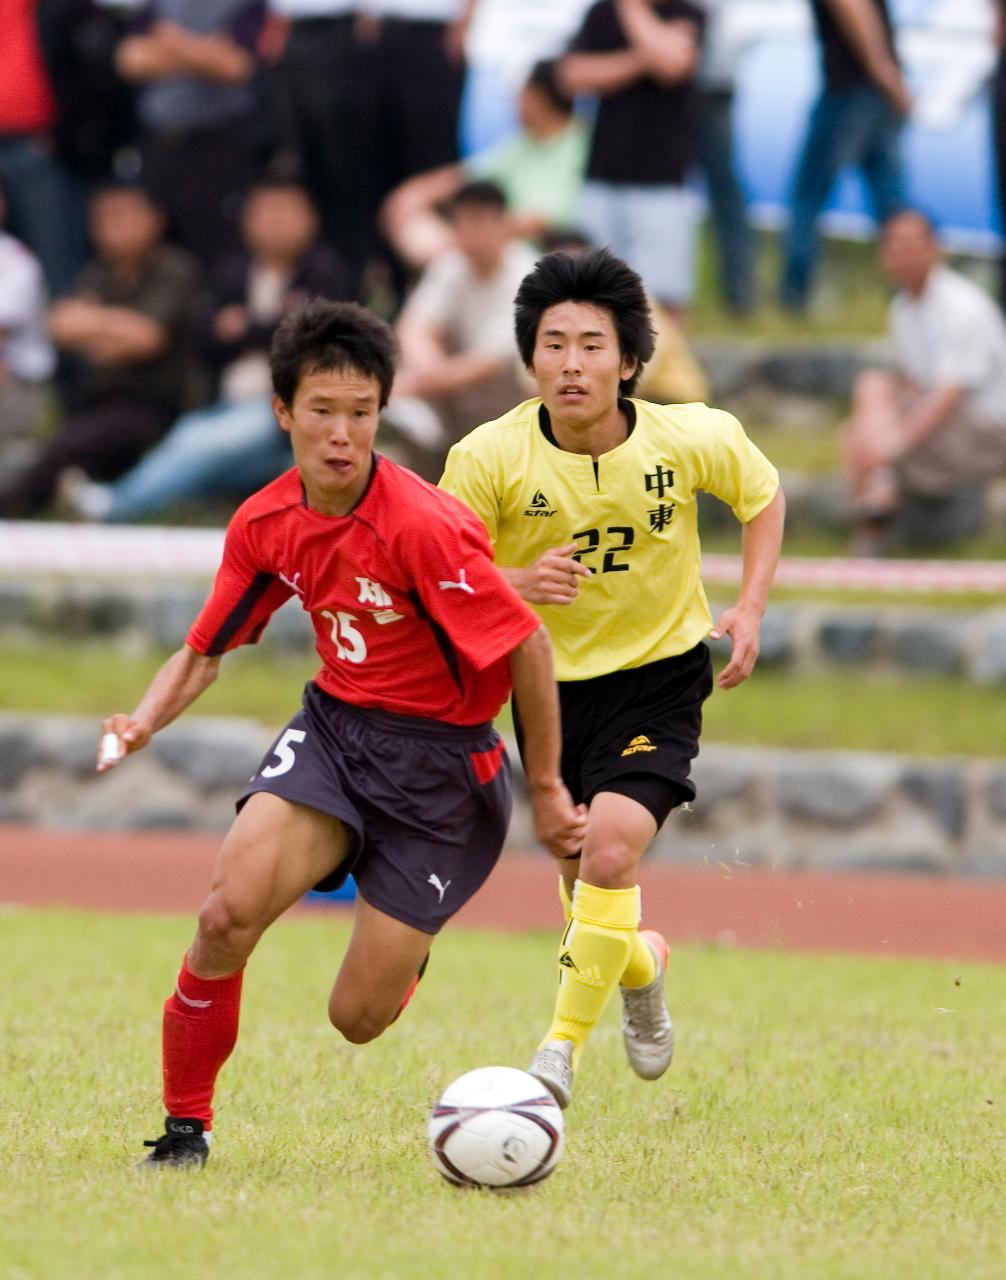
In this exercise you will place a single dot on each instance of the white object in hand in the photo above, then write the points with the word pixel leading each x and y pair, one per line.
pixel 111 748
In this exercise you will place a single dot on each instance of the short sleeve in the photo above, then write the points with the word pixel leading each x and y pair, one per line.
pixel 243 599
pixel 596 33
pixel 732 468
pixel 965 357
pixel 468 478
pixel 462 592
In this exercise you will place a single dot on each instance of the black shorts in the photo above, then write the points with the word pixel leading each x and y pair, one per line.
pixel 635 732
pixel 426 804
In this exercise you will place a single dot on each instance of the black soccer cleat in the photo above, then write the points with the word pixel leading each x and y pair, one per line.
pixel 181 1146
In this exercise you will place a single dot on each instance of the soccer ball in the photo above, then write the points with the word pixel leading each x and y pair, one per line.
pixel 496 1127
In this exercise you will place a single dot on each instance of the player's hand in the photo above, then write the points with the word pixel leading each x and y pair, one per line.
pixel 120 736
pixel 743 626
pixel 558 823
pixel 555 577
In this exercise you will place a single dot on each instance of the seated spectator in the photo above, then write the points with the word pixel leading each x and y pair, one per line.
pixel 127 324
pixel 539 168
pixel 26 355
pixel 234 446
pixel 923 441
pixel 194 65
pixel 459 358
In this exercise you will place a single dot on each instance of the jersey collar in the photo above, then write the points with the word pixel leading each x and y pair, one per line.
pixel 545 422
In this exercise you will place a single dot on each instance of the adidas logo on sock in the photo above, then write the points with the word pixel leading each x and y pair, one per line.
pixel 591 977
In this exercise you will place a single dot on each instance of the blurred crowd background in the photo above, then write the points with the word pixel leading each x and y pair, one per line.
pixel 175 175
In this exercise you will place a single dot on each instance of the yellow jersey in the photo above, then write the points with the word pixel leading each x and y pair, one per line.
pixel 632 515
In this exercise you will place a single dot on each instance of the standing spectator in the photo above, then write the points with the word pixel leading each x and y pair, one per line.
pixel 539 168
pixel 128 324
pixel 321 88
pixel 96 109
pixel 639 57
pixel 855 122
pixel 999 125
pixel 234 446
pixel 26 355
pixel 456 333
pixel 923 441
pixel 45 202
pixel 735 240
pixel 195 62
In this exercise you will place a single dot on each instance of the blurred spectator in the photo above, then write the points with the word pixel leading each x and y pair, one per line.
pixel 999 126
pixel 194 61
pixel 856 122
pixel 735 240
pixel 369 94
pixel 639 57
pixel 128 323
pixel 321 85
pixel 539 168
pixel 923 441
pixel 459 360
pixel 96 111
pixel 26 355
pixel 45 202
pixel 234 446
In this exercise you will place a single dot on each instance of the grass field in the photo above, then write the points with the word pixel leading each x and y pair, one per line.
pixel 839 709
pixel 825 1118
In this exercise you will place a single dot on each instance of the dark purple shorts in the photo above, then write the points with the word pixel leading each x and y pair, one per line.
pixel 426 804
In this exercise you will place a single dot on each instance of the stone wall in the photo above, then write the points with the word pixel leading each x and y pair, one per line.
pixel 156 616
pixel 790 809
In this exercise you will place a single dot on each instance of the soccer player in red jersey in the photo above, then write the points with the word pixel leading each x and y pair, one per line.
pixel 391 769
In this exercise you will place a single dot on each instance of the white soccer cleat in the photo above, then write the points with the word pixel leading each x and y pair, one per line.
pixel 646 1025
pixel 552 1066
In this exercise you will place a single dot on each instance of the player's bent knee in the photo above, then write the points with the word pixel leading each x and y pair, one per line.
pixel 609 865
pixel 358 1024
pixel 221 925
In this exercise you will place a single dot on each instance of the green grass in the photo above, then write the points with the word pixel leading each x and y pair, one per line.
pixel 853 710
pixel 826 1118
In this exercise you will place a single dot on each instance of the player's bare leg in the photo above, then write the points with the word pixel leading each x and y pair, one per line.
pixel 378 973
pixel 275 851
pixel 602 947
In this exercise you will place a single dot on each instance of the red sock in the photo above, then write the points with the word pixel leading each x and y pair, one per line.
pixel 200 1029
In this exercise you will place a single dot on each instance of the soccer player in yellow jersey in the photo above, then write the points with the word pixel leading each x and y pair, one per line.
pixel 589 497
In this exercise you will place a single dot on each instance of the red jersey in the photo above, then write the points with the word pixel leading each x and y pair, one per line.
pixel 410 613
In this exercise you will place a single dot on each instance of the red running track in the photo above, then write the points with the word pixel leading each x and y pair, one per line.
pixel 744 907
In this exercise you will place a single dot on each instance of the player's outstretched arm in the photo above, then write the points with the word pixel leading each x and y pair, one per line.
pixel 742 623
pixel 554 578
pixel 558 823
pixel 181 680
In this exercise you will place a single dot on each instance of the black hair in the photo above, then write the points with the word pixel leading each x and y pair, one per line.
pixel 595 276
pixel 482 195
pixel 544 75
pixel 321 335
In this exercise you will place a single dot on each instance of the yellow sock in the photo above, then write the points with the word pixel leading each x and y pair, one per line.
pixel 566 900
pixel 592 957
pixel 641 967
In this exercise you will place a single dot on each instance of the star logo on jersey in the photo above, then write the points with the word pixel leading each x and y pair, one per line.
pixel 642 743
pixel 539 506
pixel 372 592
